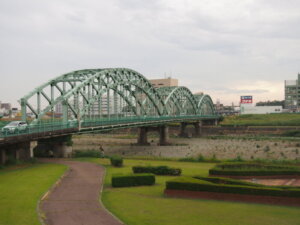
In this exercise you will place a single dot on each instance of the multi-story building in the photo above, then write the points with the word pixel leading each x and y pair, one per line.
pixel 167 82
pixel 58 108
pixel 6 106
pixel 292 94
pixel 5 109
pixel 112 108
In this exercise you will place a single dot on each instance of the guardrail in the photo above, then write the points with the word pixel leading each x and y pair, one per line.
pixel 99 123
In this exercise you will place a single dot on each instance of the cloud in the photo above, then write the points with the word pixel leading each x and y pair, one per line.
pixel 224 90
pixel 217 46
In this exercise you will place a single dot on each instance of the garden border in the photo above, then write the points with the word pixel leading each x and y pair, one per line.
pixel 274 200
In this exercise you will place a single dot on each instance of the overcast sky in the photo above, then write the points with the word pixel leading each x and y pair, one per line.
pixel 225 48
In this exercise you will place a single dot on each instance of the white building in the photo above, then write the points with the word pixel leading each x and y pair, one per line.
pixel 250 109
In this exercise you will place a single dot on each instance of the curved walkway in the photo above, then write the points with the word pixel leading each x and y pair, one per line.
pixel 75 200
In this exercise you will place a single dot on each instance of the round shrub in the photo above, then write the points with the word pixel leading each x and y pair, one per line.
pixel 116 161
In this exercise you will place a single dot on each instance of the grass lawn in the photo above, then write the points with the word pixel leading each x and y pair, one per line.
pixel 280 119
pixel 21 189
pixel 147 205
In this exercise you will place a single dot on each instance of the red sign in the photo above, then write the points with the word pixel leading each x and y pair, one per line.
pixel 246 99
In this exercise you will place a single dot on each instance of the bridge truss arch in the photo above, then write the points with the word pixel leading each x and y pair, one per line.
pixel 178 101
pixel 205 105
pixel 109 93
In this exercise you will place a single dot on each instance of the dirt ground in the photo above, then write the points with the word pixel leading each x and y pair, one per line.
pixel 187 147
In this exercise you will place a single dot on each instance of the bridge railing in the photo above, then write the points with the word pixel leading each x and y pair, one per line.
pixel 98 123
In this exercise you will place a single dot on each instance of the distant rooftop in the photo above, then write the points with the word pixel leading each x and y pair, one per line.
pixel 166 82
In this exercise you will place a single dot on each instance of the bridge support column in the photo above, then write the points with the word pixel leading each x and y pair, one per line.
pixel 2 156
pixel 164 135
pixel 58 147
pixel 22 152
pixel 198 128
pixel 142 136
pixel 183 132
pixel 18 151
pixel 216 122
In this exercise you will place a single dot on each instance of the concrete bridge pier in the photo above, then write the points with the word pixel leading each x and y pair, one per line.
pixel 198 129
pixel 19 151
pixel 22 152
pixel 58 147
pixel 164 135
pixel 2 156
pixel 142 136
pixel 183 132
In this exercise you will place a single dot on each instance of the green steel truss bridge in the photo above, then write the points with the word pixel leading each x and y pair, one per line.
pixel 105 99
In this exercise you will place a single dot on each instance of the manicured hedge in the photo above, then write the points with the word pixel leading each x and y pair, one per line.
pixel 132 180
pixel 252 172
pixel 158 170
pixel 254 165
pixel 222 180
pixel 253 169
pixel 87 153
pixel 116 161
pixel 193 184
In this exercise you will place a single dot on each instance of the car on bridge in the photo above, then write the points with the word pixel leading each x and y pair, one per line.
pixel 14 127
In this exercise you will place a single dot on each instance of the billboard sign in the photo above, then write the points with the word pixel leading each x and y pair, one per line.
pixel 246 99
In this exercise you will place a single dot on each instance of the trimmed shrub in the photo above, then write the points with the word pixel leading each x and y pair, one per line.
pixel 116 161
pixel 253 169
pixel 194 184
pixel 132 180
pixel 158 170
pixel 222 180
pixel 87 153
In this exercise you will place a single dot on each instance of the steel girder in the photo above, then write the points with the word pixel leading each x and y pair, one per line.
pixel 110 93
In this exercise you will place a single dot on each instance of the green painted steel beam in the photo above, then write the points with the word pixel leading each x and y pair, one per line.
pixel 131 94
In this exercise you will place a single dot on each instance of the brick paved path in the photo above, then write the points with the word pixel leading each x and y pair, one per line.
pixel 75 200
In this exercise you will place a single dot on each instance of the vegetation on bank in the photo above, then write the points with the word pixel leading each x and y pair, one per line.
pixel 148 205
pixel 21 189
pixel 276 119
